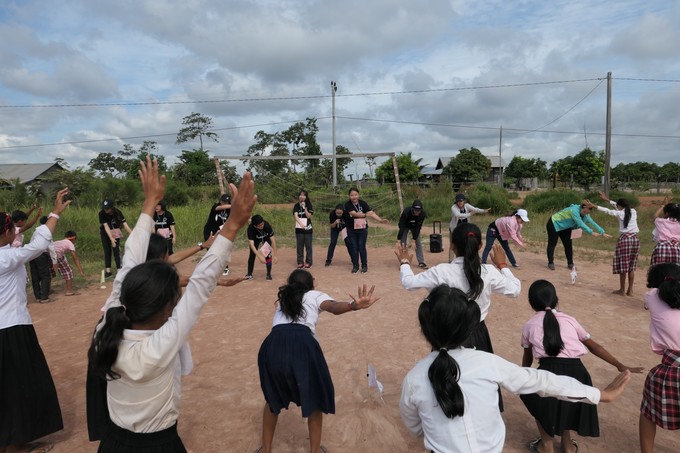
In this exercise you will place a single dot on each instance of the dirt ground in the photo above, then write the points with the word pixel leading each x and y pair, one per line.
pixel 222 402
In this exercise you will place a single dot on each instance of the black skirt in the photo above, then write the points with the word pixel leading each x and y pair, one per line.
pixel 96 405
pixel 119 440
pixel 29 407
pixel 293 369
pixel 556 416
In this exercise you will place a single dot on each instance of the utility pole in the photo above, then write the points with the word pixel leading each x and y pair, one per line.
pixel 500 157
pixel 608 138
pixel 334 88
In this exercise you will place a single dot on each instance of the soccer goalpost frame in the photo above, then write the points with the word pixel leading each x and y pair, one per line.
pixel 393 155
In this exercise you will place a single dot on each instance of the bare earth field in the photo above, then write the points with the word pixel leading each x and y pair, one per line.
pixel 222 402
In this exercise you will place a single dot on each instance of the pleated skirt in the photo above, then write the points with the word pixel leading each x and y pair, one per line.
pixel 556 416
pixel 119 440
pixel 293 369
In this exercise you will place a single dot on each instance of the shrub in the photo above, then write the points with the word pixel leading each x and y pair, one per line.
pixel 489 196
pixel 551 200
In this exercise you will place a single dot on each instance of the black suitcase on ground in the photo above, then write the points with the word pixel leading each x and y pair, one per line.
pixel 436 239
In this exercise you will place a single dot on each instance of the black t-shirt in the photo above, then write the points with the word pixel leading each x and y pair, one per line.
pixel 216 219
pixel 332 217
pixel 361 206
pixel 114 220
pixel 410 222
pixel 258 236
pixel 301 214
pixel 163 220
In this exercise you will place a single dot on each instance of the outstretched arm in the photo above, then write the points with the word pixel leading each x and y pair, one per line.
pixel 602 353
pixel 364 300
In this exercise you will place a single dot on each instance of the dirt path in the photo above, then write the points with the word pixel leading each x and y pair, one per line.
pixel 222 401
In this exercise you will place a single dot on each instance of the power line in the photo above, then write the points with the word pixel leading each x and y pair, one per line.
pixel 289 98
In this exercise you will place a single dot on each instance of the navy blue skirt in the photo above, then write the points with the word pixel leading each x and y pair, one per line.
pixel 293 369
pixel 29 407
pixel 555 415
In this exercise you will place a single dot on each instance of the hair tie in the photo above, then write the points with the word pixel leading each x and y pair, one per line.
pixel 426 300
pixel 470 234
pixel 443 350
pixel 669 278
pixel 548 309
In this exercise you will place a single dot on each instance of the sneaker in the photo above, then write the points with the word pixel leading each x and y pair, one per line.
pixel 570 266
pixel 307 266
pixel 516 266
pixel 108 274
pixel 422 265
pixel 268 277
pixel 551 266
pixel 364 269
pixel 355 269
pixel 249 276
pixel 300 265
pixel 328 263
pixel 225 271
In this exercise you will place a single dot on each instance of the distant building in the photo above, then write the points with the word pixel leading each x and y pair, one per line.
pixel 28 174
pixel 434 173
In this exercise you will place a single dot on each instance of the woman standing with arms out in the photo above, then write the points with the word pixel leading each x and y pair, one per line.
pixel 628 244
pixel 666 234
pixel 111 220
pixel 557 341
pixel 357 212
pixel 164 224
pixel 560 226
pixel 29 407
pixel 461 211
pixel 504 229
pixel 219 213
pixel 450 397
pixel 467 273
pixel 291 363
pixel 302 212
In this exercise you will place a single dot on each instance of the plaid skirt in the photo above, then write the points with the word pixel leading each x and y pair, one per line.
pixel 626 253
pixel 666 252
pixel 661 395
pixel 64 268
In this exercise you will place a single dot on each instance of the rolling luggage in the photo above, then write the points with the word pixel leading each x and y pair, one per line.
pixel 436 239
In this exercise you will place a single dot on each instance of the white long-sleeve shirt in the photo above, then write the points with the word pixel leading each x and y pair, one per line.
pixel 457 215
pixel 620 214
pixel 146 397
pixel 453 275
pixel 13 300
pixel 481 428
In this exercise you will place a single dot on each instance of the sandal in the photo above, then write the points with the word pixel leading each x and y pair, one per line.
pixel 323 449
pixel 74 293
pixel 533 445
pixel 573 442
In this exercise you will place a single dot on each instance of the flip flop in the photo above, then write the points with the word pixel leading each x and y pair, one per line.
pixel 74 293
pixel 323 449
pixel 533 445
pixel 39 447
pixel 573 442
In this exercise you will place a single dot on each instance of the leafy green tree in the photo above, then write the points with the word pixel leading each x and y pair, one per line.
pixel 196 126
pixel 468 165
pixel 409 169
pixel 521 167
pixel 585 168
pixel 148 148
pixel 195 168
pixel 670 172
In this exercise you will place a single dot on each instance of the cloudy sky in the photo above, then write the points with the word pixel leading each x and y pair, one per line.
pixel 80 77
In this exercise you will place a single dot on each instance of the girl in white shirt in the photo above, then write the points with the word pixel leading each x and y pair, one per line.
pixel 628 244
pixel 291 363
pixel 138 346
pixel 451 396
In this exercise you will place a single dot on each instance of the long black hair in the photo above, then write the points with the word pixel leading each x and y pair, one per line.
pixel 447 318
pixel 625 204
pixel 467 237
pixel 148 289
pixel 157 248
pixel 543 297
pixel 666 277
pixel 290 295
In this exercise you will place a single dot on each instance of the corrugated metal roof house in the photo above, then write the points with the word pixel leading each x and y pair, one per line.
pixel 26 173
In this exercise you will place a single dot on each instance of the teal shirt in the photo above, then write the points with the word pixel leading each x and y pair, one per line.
pixel 570 217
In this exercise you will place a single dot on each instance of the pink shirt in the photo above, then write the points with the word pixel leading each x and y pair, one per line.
pixel 572 333
pixel 509 228
pixel 663 323
pixel 63 246
pixel 666 229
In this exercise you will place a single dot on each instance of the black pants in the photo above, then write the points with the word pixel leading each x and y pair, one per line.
pixel 108 250
pixel 565 237
pixel 41 275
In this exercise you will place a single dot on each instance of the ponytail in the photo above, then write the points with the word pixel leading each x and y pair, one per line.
pixel 103 351
pixel 447 318
pixel 467 238
pixel 543 297
pixel 626 209
pixel 290 295
pixel 669 289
